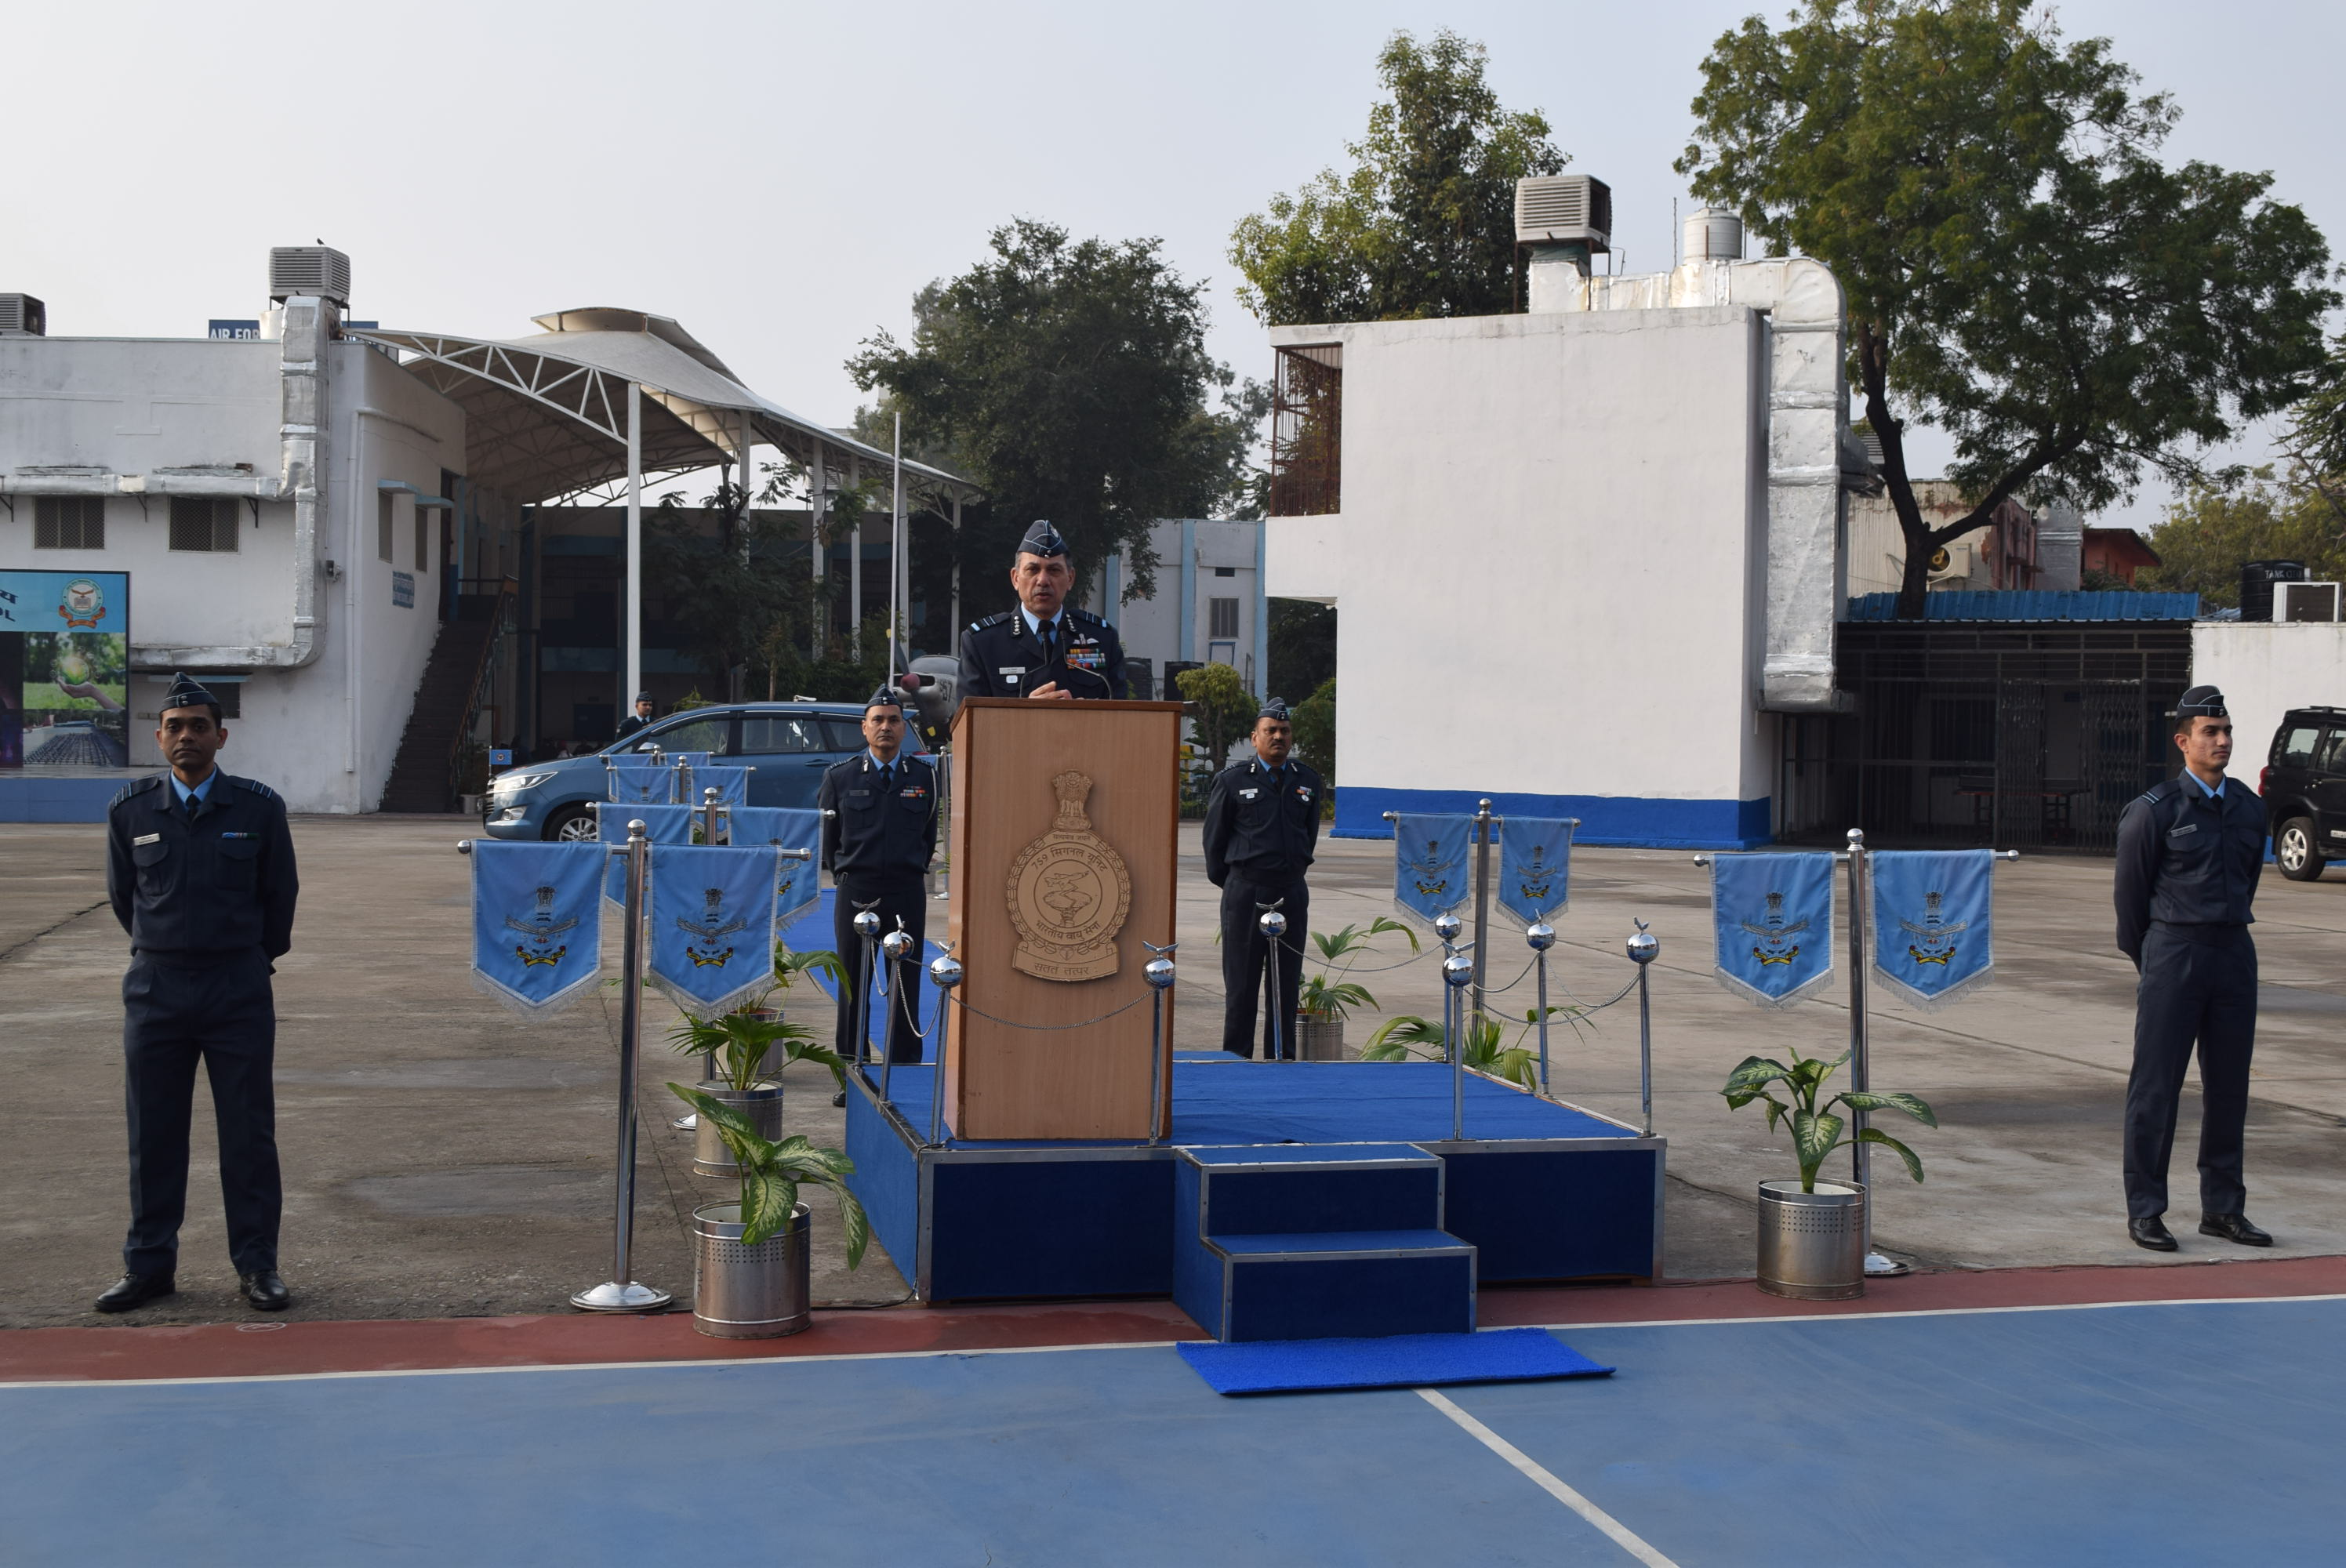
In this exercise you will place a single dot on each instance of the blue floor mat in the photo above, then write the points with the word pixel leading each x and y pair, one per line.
pixel 1401 1361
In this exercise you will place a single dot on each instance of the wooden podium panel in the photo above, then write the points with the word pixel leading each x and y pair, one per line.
pixel 1048 798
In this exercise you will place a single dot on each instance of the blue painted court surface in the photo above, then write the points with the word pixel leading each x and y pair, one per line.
pixel 2177 1434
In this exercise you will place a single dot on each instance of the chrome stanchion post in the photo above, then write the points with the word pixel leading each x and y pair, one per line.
pixel 1644 948
pixel 892 947
pixel 1860 1075
pixel 619 1293
pixel 867 930
pixel 1159 975
pixel 1458 972
pixel 945 973
pixel 1274 926
pixel 708 815
pixel 1541 936
pixel 1484 821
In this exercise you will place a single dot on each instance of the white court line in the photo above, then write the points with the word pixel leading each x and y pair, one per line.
pixel 1619 1533
pixel 1944 1313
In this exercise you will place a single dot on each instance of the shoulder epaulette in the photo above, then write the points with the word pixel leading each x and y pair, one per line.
pixel 137 786
pixel 1089 619
pixel 254 787
pixel 989 621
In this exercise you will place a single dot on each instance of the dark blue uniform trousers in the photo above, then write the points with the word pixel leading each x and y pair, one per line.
pixel 891 895
pixel 2199 984
pixel 174 1013
pixel 1243 962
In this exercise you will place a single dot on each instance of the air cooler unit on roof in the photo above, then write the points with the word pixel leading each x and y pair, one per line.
pixel 23 315
pixel 2306 601
pixel 1559 208
pixel 317 271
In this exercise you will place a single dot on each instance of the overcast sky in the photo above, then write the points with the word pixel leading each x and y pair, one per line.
pixel 781 178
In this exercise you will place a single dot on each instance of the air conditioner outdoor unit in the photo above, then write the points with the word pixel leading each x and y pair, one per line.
pixel 22 315
pixel 1957 564
pixel 1557 208
pixel 2307 602
pixel 320 271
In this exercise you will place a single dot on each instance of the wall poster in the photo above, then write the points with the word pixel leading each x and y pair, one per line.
pixel 64 668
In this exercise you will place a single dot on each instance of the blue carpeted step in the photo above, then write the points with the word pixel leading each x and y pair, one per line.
pixel 1286 1187
pixel 1313 1285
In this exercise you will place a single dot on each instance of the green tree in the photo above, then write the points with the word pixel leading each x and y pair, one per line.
pixel 1315 729
pixel 1220 706
pixel 2316 437
pixel 2214 528
pixel 2021 267
pixel 1071 380
pixel 1424 222
pixel 1302 647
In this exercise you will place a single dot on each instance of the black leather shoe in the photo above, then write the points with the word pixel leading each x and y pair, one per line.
pixel 839 1101
pixel 136 1291
pixel 2152 1233
pixel 2233 1228
pixel 265 1290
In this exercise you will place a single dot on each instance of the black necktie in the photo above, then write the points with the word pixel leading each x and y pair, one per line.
pixel 887 776
pixel 193 798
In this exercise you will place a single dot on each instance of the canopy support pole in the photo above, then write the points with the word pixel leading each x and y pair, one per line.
pixel 952 627
pixel 635 629
pixel 855 563
pixel 817 509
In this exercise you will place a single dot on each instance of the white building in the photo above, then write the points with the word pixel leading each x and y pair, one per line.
pixel 314 519
pixel 1209 607
pixel 1585 559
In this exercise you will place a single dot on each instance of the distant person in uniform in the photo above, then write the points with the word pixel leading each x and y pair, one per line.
pixel 1262 826
pixel 2189 852
pixel 199 870
pixel 1042 648
pixel 637 720
pixel 877 845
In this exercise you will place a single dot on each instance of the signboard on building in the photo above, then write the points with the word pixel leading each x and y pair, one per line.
pixel 402 590
pixel 64 668
pixel 241 332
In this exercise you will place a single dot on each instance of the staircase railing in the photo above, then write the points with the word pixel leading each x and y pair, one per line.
pixel 500 618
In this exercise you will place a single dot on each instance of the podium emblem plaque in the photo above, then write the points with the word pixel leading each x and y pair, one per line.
pixel 1069 892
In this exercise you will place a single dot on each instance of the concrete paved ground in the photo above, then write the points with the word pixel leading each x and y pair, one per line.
pixel 443 1157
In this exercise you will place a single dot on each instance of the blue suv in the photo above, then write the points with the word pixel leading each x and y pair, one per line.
pixel 788 745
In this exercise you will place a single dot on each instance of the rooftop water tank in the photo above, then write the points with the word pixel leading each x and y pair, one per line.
pixel 1713 234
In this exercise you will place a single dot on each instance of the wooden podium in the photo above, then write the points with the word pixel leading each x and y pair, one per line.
pixel 1065 819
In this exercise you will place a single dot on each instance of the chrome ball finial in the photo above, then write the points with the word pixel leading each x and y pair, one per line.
pixel 896 943
pixel 1458 970
pixel 1158 974
pixel 1447 926
pixel 944 972
pixel 1540 935
pixel 1273 924
pixel 1644 947
pixel 866 924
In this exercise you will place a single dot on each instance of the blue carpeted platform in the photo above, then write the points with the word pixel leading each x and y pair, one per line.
pixel 1399 1361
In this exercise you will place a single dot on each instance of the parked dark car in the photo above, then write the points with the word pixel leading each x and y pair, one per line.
pixel 2304 789
pixel 787 744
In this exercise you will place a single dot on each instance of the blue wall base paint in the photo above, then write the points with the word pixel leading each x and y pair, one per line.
pixel 43 797
pixel 1631 820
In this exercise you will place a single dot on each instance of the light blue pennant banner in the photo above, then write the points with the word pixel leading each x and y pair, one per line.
pixel 639 783
pixel 1534 866
pixel 690 758
pixel 537 928
pixel 712 925
pixel 731 784
pixel 1933 916
pixel 662 825
pixel 1773 915
pixel 1430 863
pixel 798 882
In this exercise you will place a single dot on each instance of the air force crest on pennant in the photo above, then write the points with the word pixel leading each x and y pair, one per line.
pixel 1773 935
pixel 1535 880
pixel 1934 939
pixel 538 932
pixel 711 929
pixel 1427 873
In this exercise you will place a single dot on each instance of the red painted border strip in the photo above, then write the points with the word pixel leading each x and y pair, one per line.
pixel 291 1347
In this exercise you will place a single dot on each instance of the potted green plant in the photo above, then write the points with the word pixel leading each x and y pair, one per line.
pixel 1812 1234
pixel 1517 1063
pixel 740 1047
pixel 1327 997
pixel 752 1258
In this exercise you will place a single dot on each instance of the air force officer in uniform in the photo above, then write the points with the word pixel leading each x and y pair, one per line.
pixel 199 870
pixel 2189 852
pixel 877 844
pixel 1262 828
pixel 1043 648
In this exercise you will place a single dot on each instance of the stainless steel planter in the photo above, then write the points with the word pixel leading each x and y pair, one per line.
pixel 763 1106
pixel 1812 1244
pixel 739 1292
pixel 1322 1039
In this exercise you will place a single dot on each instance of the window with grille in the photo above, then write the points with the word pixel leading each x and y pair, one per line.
pixel 424 551
pixel 1222 615
pixel 1307 423
pixel 203 522
pixel 382 525
pixel 69 523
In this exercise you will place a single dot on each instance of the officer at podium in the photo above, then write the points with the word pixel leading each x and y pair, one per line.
pixel 1262 826
pixel 877 845
pixel 1043 648
pixel 199 870
pixel 2189 852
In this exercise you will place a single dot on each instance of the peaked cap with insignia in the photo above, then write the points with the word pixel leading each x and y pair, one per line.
pixel 1042 539
pixel 187 691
